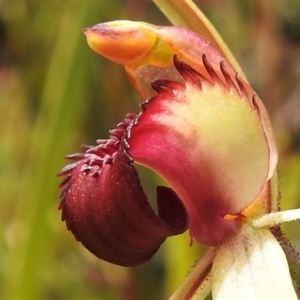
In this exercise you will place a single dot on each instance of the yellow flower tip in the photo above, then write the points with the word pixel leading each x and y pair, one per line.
pixel 254 210
pixel 120 41
pixel 238 218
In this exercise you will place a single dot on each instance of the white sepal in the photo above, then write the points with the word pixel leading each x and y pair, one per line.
pixel 251 265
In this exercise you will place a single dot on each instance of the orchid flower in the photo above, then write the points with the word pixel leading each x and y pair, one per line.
pixel 205 131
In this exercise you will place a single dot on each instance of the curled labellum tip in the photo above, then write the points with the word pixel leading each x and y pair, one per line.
pixel 106 209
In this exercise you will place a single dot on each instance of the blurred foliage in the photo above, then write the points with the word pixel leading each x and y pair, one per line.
pixel 55 94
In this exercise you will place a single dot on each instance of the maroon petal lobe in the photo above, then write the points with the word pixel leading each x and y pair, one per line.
pixel 107 211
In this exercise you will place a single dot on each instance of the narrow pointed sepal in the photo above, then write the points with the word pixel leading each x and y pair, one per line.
pixel 106 209
pixel 251 265
pixel 292 255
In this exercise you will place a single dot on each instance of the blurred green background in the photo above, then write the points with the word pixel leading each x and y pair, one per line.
pixel 56 93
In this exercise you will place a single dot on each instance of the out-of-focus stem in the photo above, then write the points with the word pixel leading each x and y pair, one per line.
pixel 197 284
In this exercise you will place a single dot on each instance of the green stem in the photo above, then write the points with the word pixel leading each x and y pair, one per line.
pixel 197 284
